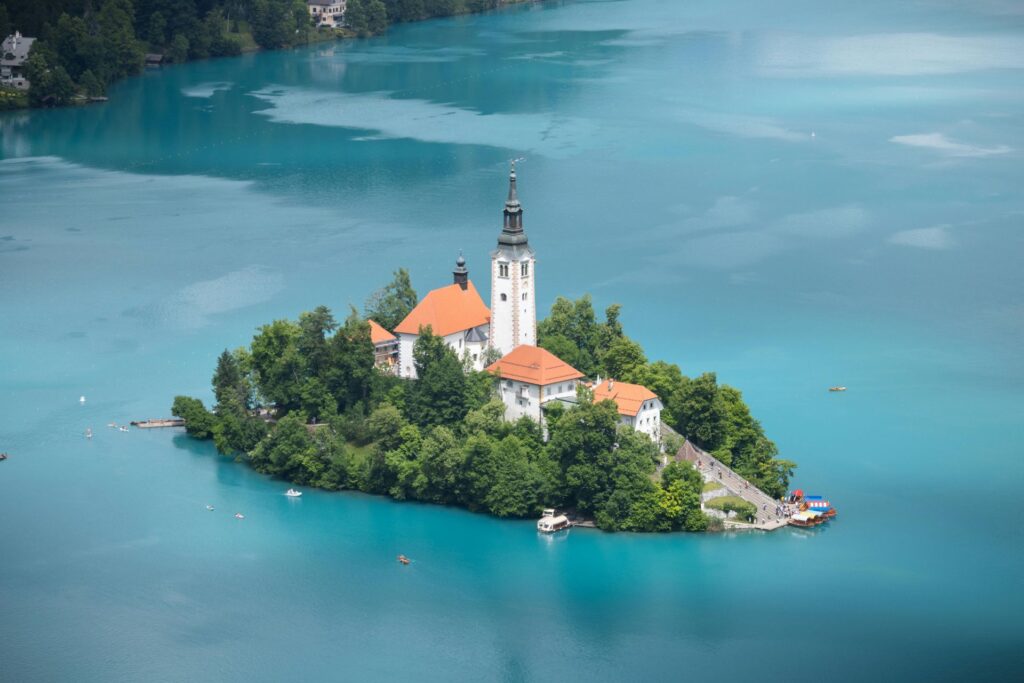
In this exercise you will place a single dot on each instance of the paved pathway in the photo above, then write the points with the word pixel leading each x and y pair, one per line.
pixel 713 470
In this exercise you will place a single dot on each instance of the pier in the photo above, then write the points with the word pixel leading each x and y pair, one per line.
pixel 155 424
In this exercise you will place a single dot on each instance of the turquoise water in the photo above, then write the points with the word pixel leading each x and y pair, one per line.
pixel 669 166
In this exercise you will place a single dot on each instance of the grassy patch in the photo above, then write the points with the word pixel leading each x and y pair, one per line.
pixel 712 486
pixel 742 508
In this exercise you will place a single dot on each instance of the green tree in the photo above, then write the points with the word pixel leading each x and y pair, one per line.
pixel 91 84
pixel 156 30
pixel 124 56
pixel 389 305
pixel 701 417
pixel 438 397
pixel 289 452
pixel 385 425
pixel 5 22
pixel 199 422
pixel 278 365
pixel 376 17
pixel 350 373
pixel 178 50
pixel 624 360
pixel 357 19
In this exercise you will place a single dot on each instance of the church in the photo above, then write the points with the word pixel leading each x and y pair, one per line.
pixel 528 376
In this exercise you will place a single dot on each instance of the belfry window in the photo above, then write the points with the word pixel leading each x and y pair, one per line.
pixel 502 270
pixel 524 269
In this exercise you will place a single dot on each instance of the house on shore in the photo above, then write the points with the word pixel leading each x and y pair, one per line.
pixel 530 377
pixel 457 314
pixel 385 347
pixel 639 407
pixel 13 55
pixel 329 13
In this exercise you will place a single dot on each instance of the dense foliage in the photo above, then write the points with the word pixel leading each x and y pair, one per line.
pixel 714 417
pixel 85 45
pixel 305 403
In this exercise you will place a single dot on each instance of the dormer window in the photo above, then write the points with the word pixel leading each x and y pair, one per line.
pixel 524 269
pixel 502 270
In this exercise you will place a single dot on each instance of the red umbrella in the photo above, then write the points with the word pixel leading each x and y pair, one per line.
pixel 799 493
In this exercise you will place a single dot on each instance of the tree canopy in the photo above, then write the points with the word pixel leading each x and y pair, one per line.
pixel 305 402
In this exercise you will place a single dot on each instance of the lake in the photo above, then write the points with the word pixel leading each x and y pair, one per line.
pixel 792 194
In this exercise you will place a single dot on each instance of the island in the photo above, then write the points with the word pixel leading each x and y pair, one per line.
pixel 447 400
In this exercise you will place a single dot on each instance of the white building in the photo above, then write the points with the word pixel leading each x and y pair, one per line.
pixel 456 313
pixel 327 12
pixel 513 281
pixel 638 406
pixel 529 377
pixel 13 55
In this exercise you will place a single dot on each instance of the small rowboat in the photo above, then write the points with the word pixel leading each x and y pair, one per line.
pixel 403 559
pixel 837 388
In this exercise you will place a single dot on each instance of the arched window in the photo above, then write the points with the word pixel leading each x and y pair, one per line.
pixel 504 297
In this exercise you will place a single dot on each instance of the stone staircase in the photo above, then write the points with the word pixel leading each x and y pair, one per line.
pixel 713 469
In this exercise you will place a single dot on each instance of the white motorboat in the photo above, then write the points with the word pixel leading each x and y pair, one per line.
pixel 239 515
pixel 550 522
pixel 210 508
pixel 292 493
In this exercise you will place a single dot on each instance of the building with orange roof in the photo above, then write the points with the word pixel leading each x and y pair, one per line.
pixel 456 313
pixel 529 377
pixel 638 406
pixel 385 346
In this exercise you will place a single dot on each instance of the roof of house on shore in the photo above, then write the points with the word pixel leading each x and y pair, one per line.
pixel 18 47
pixel 378 335
pixel 629 398
pixel 447 310
pixel 533 365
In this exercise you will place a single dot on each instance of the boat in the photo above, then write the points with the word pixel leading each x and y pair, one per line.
pixel 292 493
pixel 81 399
pixel 239 515
pixel 3 456
pixel 805 518
pixel 210 508
pixel 122 428
pixel 837 388
pixel 403 559
pixel 88 432
pixel 550 522
pixel 112 424
pixel 820 505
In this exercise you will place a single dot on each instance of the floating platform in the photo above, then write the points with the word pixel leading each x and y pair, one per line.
pixel 154 424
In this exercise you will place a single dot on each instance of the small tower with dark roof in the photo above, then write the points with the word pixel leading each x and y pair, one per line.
pixel 513 279
pixel 461 273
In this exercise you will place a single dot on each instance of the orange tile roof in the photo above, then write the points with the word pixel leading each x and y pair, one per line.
pixel 533 365
pixel 378 335
pixel 628 397
pixel 447 310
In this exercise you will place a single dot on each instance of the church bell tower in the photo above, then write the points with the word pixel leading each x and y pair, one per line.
pixel 513 280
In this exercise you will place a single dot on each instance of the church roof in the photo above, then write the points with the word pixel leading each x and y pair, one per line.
pixel 628 397
pixel 447 310
pixel 533 365
pixel 378 335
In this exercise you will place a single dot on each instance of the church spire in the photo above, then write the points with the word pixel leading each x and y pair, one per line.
pixel 512 232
